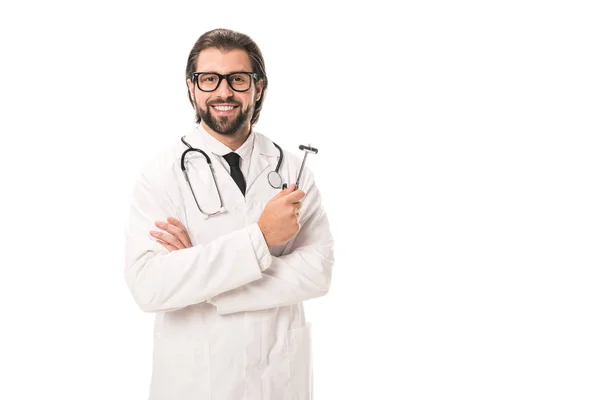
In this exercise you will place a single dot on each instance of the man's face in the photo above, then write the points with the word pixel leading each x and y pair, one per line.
pixel 215 108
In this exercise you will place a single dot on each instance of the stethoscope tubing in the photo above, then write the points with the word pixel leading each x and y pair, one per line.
pixel 209 162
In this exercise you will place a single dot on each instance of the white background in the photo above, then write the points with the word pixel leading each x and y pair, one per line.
pixel 458 161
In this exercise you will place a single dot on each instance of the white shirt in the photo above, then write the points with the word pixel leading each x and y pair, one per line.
pixel 219 149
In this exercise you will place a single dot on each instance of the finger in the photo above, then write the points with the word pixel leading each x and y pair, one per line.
pixel 166 245
pixel 285 192
pixel 186 236
pixel 168 238
pixel 181 236
pixel 295 196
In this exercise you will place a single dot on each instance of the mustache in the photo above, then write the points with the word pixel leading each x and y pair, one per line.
pixel 226 101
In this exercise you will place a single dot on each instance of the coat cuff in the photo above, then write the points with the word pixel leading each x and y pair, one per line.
pixel 263 255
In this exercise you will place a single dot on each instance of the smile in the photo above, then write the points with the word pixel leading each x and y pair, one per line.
pixel 223 108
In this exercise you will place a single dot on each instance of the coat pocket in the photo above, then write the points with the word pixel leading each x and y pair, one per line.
pixel 299 348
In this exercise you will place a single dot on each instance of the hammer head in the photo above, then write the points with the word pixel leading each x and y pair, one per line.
pixel 309 149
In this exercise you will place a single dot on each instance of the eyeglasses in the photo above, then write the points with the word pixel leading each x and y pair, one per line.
pixel 210 81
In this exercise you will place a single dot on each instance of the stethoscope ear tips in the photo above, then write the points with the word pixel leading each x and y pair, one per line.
pixel 284 186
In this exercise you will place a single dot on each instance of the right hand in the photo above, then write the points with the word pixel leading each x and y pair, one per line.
pixel 279 220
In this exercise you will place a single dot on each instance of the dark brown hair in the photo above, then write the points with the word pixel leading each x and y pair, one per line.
pixel 226 39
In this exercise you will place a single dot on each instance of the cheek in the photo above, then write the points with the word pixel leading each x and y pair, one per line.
pixel 243 101
pixel 201 99
pixel 250 100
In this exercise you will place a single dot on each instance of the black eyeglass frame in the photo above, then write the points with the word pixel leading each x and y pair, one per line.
pixel 227 77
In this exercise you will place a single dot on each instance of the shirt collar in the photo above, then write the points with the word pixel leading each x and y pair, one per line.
pixel 218 148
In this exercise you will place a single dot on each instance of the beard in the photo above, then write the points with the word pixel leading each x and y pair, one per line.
pixel 224 125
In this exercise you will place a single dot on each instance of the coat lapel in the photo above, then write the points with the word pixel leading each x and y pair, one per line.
pixel 263 159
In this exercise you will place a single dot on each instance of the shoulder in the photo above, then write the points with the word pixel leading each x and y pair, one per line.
pixel 158 169
pixel 271 148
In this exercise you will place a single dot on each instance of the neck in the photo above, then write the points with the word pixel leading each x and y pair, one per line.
pixel 233 141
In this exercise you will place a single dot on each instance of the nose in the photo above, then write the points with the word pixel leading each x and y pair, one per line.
pixel 224 90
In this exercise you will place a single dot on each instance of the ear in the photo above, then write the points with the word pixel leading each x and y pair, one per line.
pixel 259 89
pixel 191 87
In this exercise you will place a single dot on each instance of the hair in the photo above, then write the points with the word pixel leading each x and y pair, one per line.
pixel 225 40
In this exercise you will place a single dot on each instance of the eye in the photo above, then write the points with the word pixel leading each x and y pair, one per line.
pixel 239 78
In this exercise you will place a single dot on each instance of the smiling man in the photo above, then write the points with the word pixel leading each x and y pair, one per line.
pixel 218 110
pixel 223 254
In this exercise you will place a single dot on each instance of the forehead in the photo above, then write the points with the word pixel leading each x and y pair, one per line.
pixel 223 61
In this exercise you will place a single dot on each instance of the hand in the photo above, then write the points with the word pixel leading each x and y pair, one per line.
pixel 279 220
pixel 177 237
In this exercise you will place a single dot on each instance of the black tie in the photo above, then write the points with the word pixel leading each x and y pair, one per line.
pixel 233 159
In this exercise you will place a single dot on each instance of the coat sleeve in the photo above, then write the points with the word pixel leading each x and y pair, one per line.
pixel 160 280
pixel 302 274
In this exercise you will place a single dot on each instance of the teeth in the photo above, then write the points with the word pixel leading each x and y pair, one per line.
pixel 224 108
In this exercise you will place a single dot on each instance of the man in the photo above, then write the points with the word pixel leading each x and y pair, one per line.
pixel 227 289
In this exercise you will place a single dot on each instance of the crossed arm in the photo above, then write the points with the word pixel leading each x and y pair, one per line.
pixel 234 272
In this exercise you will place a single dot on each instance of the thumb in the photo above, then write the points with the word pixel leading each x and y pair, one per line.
pixel 286 191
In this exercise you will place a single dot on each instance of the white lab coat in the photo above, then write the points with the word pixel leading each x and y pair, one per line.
pixel 229 321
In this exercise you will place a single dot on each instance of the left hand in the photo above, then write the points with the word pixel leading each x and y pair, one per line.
pixel 176 236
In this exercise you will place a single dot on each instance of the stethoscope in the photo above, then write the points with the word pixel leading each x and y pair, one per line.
pixel 273 177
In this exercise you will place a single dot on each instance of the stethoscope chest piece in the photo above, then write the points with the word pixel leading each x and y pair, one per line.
pixel 274 179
